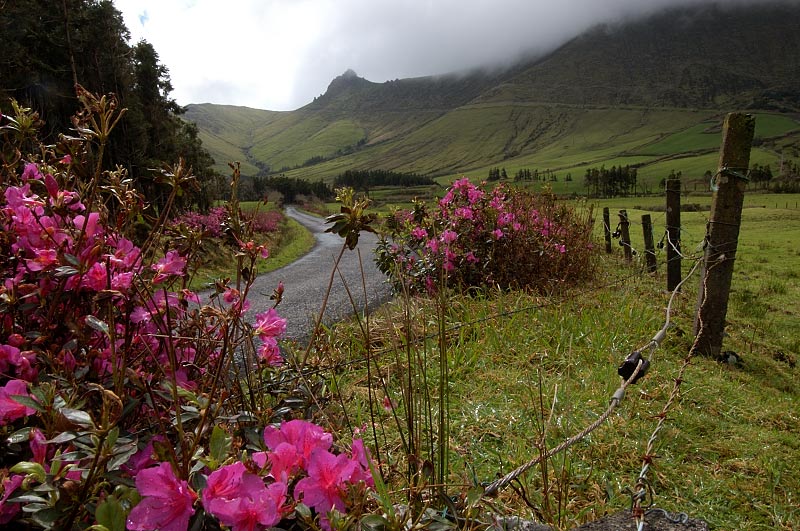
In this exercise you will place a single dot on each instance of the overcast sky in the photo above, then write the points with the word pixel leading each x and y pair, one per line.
pixel 280 54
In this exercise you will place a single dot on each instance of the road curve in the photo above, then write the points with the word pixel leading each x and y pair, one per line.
pixel 306 280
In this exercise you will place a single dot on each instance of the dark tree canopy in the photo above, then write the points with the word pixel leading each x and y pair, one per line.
pixel 50 46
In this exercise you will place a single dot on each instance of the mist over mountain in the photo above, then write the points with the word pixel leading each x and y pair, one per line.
pixel 706 57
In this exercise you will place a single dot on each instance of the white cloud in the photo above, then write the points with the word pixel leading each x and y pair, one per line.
pixel 279 54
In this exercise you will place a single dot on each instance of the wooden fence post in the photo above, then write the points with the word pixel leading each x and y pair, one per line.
pixel 649 247
pixel 607 228
pixel 673 234
pixel 722 233
pixel 624 234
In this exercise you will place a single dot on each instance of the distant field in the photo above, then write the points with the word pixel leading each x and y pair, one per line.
pixel 766 280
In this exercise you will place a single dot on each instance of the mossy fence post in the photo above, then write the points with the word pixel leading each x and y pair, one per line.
pixel 607 228
pixel 722 233
pixel 649 247
pixel 673 234
pixel 625 235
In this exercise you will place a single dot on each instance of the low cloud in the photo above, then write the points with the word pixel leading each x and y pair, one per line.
pixel 280 54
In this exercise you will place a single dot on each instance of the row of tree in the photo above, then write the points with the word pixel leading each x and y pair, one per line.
pixel 290 188
pixel 366 179
pixel 617 181
pixel 525 174
pixel 49 48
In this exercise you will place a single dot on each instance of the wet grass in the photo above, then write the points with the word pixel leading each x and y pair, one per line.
pixel 525 369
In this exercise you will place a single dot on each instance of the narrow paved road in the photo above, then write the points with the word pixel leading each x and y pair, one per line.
pixel 306 280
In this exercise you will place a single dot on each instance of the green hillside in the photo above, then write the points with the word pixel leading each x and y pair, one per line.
pixel 650 93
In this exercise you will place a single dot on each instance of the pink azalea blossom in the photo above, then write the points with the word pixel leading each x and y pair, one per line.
pixel 171 265
pixel 285 461
pixel 240 500
pixel 269 352
pixel 269 324
pixel 419 233
pixel 31 171
pixel 10 409
pixel 305 436
pixel 464 213
pixel 362 471
pixel 167 502
pixel 44 259
pixel 9 357
pixel 9 510
pixel 448 236
pixel 325 485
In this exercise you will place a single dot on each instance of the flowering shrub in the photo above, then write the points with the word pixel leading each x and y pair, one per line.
pixel 213 223
pixel 474 237
pixel 125 402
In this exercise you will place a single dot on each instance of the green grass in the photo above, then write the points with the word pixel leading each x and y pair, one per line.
pixel 729 452
pixel 290 243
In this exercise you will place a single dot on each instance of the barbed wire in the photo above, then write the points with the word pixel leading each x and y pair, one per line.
pixel 638 366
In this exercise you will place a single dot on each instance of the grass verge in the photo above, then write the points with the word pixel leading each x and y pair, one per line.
pixel 527 372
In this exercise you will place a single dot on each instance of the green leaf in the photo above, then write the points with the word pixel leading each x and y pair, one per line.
pixel 220 444
pixel 27 401
pixel 29 468
pixel 19 436
pixel 27 498
pixel 46 517
pixel 374 522
pixel 122 454
pixel 110 514
pixel 76 416
pixel 97 324
pixel 63 437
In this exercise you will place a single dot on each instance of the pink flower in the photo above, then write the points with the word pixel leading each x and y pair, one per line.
pixel 388 404
pixel 10 409
pixel 362 471
pixel 448 236
pixel 44 259
pixel 419 233
pixel 9 510
pixel 304 436
pixel 497 233
pixel 269 324
pixel 167 504
pixel 96 277
pixel 31 171
pixel 170 265
pixel 269 352
pixel 143 458
pixel 240 500
pixel 326 482
pixel 9 357
pixel 285 460
pixel 464 213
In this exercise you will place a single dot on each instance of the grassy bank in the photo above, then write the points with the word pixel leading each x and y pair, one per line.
pixel 287 244
pixel 525 372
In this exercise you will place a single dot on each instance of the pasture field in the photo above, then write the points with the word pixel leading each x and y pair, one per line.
pixel 527 371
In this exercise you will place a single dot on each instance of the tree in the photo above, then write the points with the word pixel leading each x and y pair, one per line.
pixel 49 47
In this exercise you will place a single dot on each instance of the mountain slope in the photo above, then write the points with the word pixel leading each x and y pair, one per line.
pixel 602 97
pixel 707 57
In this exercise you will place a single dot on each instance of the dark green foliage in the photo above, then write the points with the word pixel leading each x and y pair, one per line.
pixel 618 181
pixel 365 179
pixel 51 47
pixel 290 188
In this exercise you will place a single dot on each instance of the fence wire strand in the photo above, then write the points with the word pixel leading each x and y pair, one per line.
pixel 616 399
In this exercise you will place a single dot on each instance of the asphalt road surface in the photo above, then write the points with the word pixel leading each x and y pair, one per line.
pixel 306 280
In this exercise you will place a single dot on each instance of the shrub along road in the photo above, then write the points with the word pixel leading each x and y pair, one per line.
pixel 306 280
